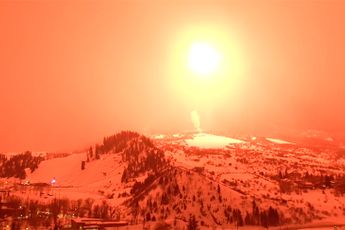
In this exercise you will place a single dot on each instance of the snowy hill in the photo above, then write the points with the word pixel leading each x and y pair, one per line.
pixel 220 180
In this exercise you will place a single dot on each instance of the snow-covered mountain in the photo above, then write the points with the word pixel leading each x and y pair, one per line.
pixel 221 181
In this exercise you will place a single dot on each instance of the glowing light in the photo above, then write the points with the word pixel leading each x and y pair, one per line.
pixel 206 66
pixel 203 59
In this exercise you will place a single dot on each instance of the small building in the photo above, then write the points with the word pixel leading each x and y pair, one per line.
pixel 95 223
pixel 199 170
pixel 305 185
pixel 5 210
pixel 4 193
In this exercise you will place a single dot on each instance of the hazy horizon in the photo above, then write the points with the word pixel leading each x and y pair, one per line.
pixel 72 72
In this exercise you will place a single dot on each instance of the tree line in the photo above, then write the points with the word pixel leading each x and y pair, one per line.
pixel 15 166
pixel 112 144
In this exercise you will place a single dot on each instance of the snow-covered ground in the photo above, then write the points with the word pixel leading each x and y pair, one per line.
pixel 247 168
pixel 206 140
pixel 279 141
pixel 97 180
pixel 244 171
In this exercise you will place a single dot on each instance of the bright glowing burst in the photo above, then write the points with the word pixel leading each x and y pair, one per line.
pixel 203 59
pixel 206 66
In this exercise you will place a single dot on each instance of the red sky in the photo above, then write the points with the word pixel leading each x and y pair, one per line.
pixel 72 72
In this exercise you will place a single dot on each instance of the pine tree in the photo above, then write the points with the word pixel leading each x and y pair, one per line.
pixel 255 213
pixel 124 175
pixel 148 217
pixel 247 219
pixel 90 155
pixel 192 223
pixel 263 218
pixel 273 217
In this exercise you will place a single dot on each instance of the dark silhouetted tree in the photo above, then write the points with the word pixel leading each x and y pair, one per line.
pixel 192 223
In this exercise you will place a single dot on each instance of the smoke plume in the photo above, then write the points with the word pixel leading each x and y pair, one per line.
pixel 195 120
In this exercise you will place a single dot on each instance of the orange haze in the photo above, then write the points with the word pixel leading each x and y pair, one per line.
pixel 72 72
